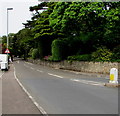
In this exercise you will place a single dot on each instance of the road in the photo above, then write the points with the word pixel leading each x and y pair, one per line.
pixel 63 92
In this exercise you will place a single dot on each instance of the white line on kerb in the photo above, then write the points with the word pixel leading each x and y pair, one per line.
pixel 32 99
pixel 55 75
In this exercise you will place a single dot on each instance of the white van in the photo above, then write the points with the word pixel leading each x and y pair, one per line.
pixel 3 61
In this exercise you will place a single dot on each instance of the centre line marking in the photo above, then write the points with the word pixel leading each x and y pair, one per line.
pixel 39 70
pixel 88 82
pixel 55 75
pixel 28 63
pixel 32 68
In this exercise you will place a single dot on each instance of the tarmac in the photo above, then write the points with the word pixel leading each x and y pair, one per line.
pixel 14 99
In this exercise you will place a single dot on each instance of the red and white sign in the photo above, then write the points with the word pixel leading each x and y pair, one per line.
pixel 7 51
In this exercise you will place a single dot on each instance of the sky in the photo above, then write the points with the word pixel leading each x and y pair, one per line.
pixel 20 14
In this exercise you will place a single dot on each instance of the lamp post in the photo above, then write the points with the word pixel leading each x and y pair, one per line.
pixel 8 26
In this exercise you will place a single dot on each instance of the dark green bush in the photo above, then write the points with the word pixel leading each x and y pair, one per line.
pixel 59 48
pixel 30 52
pixel 35 53
pixel 116 53
pixel 84 57
pixel 102 54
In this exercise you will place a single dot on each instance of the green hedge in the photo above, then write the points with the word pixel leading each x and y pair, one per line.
pixel 59 48
pixel 116 53
pixel 30 52
pixel 35 54
pixel 84 57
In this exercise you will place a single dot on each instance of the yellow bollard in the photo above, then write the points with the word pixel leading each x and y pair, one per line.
pixel 113 76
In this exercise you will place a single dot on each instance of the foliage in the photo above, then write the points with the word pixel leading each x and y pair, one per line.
pixel 42 32
pixel 101 19
pixel 84 57
pixel 116 53
pixel 59 49
pixel 102 54
pixel 35 54
pixel 30 52
pixel 23 41
pixel 86 26
pixel 47 57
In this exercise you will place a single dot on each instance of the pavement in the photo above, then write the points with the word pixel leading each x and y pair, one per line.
pixel 0 92
pixel 14 99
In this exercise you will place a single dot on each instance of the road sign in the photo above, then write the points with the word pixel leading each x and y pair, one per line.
pixel 7 51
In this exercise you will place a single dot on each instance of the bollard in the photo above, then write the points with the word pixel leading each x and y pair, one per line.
pixel 113 76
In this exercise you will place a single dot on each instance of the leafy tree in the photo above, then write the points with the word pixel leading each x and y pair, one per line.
pixel 24 41
pixel 94 23
pixel 43 33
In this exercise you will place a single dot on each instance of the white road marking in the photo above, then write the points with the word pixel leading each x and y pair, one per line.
pixel 32 99
pixel 39 70
pixel 55 75
pixel 26 66
pixel 32 68
pixel 29 63
pixel 1 75
pixel 88 82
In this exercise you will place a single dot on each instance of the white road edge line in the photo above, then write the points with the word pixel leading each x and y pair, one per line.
pixel 55 75
pixel 33 100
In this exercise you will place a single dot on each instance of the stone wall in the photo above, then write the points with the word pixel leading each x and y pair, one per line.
pixel 91 67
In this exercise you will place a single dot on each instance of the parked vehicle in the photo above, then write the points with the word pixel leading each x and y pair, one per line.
pixel 3 61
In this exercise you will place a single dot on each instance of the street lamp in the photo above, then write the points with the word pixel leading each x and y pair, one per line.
pixel 7 26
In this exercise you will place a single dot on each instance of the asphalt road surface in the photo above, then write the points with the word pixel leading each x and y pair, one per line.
pixel 63 92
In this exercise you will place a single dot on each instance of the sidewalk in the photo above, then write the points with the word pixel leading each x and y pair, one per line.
pixel 14 99
pixel 0 93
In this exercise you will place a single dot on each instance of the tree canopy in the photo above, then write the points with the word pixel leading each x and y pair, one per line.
pixel 79 27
